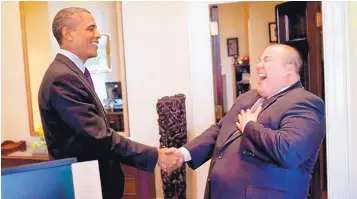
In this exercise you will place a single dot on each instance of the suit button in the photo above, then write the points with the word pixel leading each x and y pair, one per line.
pixel 208 180
pixel 220 156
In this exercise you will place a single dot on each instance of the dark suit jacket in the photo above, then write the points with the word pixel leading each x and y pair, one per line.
pixel 273 158
pixel 75 125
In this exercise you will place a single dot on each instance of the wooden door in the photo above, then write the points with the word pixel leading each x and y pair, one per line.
pixel 299 25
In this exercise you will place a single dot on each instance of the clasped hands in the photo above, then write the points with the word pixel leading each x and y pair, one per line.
pixel 170 159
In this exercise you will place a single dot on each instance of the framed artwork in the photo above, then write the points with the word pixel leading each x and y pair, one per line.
pixel 101 63
pixel 272 32
pixel 232 47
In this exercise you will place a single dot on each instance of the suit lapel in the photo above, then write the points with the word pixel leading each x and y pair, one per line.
pixel 75 69
pixel 233 130
pixel 84 80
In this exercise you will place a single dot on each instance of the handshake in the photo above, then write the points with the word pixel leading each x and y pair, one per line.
pixel 170 159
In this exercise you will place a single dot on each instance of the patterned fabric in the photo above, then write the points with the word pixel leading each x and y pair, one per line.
pixel 89 78
pixel 258 103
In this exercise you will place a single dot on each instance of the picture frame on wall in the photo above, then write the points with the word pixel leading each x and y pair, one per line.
pixel 272 32
pixel 232 47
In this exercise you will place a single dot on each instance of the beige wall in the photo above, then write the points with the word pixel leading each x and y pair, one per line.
pixel 260 14
pixel 249 22
pixel 233 22
pixel 167 51
pixel 38 49
pixel 353 100
pixel 14 116
pixel 156 64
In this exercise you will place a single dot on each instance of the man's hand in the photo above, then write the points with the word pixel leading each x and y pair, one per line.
pixel 245 116
pixel 179 155
pixel 167 162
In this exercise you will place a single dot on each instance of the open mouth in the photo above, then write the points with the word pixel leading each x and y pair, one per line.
pixel 95 44
pixel 262 76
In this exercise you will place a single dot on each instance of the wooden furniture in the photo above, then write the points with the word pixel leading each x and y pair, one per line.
pixel 138 184
pixel 9 146
pixel 116 120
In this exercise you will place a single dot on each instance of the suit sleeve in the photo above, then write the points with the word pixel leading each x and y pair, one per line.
pixel 73 104
pixel 202 147
pixel 301 132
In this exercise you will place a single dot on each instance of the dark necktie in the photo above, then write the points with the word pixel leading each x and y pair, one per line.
pixel 89 78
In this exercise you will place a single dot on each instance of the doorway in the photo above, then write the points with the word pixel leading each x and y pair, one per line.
pixel 298 24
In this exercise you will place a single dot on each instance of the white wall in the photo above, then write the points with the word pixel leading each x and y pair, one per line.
pixel 233 22
pixel 167 51
pixel 14 120
pixel 353 99
pixel 260 14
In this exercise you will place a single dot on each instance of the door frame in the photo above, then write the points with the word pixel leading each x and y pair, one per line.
pixel 338 92
pixel 337 67
pixel 337 62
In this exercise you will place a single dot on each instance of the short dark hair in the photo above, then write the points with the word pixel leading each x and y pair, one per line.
pixel 64 18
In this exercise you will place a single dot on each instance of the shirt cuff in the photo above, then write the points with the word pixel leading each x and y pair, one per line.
pixel 186 154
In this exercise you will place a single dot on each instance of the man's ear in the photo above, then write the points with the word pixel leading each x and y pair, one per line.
pixel 290 68
pixel 67 34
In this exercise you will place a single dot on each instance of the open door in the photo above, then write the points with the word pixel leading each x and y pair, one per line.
pixel 299 25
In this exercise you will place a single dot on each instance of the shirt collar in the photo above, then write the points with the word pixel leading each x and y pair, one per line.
pixel 281 90
pixel 74 58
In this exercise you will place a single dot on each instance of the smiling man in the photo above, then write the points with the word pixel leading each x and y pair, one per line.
pixel 267 144
pixel 72 115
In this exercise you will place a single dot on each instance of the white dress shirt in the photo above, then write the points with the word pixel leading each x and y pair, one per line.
pixel 186 154
pixel 74 58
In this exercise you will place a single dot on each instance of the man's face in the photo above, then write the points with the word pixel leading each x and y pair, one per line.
pixel 271 71
pixel 85 36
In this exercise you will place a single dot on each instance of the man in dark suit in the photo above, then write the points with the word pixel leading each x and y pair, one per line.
pixel 269 150
pixel 72 115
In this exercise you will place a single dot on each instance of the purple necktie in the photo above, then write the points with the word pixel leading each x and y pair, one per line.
pixel 89 78
pixel 258 103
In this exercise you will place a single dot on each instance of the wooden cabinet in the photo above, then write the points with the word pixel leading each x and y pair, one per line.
pixel 240 82
pixel 138 184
